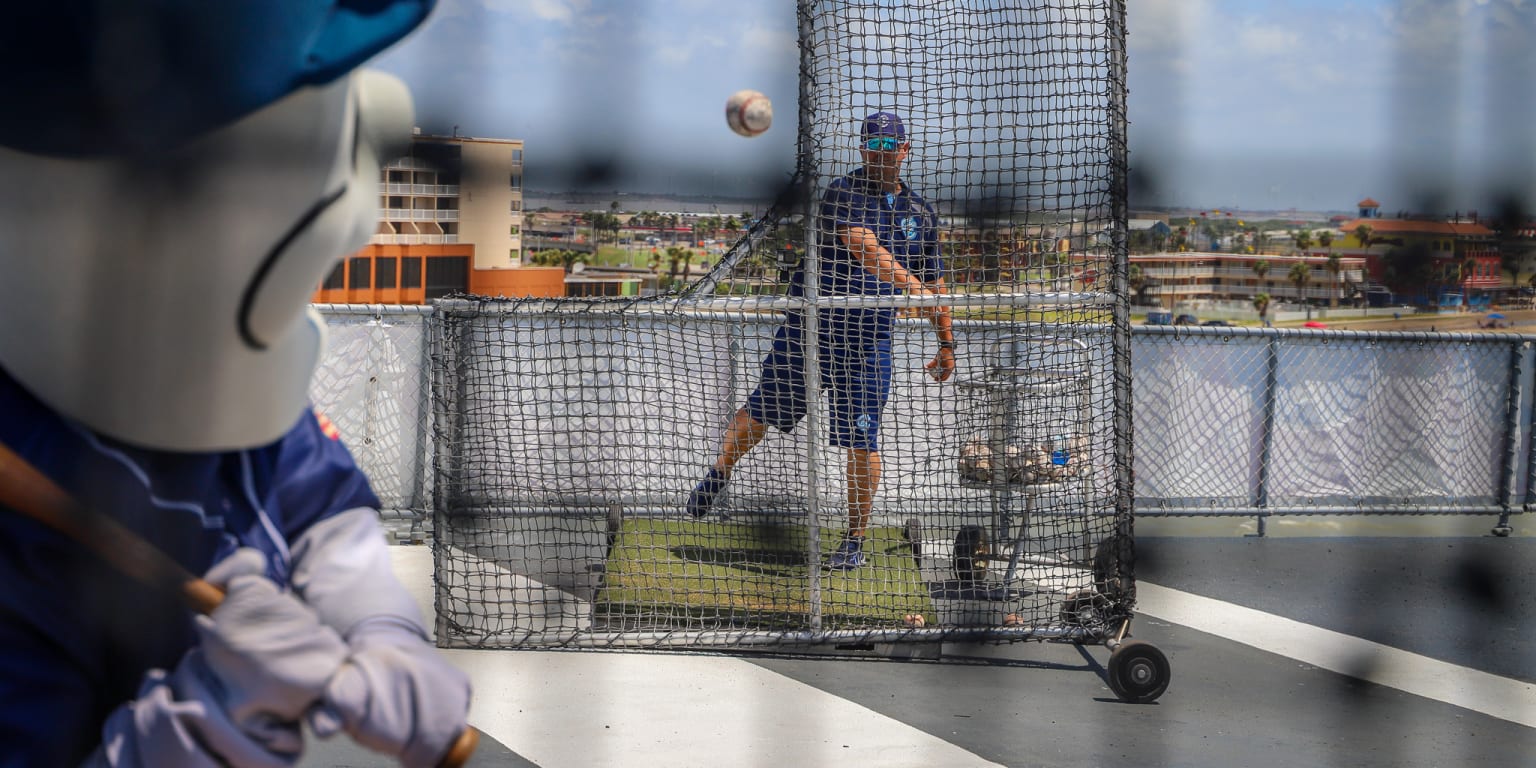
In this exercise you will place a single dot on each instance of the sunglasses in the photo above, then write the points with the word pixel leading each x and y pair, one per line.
pixel 882 144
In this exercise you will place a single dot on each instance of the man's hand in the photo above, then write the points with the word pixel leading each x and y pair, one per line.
pixel 395 695
pixel 942 366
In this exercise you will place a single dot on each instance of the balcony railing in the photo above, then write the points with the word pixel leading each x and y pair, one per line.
pixel 430 190
pixel 1278 292
pixel 1241 273
pixel 420 214
pixel 413 240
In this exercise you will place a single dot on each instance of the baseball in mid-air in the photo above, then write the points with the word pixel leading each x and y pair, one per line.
pixel 748 112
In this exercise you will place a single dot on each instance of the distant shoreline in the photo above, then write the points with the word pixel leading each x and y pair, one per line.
pixel 635 202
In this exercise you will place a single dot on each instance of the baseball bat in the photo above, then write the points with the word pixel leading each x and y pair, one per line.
pixel 25 489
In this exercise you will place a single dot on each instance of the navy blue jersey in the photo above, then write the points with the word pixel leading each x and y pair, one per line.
pixel 903 222
pixel 76 636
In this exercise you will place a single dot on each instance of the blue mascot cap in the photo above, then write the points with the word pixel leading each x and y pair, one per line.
pixel 87 78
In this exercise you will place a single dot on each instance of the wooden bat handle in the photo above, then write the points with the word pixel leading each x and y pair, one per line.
pixel 26 490
pixel 463 747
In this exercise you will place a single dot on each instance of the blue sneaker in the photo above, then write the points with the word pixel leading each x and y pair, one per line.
pixel 703 496
pixel 848 555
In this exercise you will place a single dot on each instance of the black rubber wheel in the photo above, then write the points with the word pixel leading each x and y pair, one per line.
pixel 1138 672
pixel 971 554
pixel 913 532
pixel 1503 531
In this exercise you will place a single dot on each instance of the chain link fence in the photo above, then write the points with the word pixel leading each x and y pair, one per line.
pixel 1242 422
pixel 1261 422
pixel 373 384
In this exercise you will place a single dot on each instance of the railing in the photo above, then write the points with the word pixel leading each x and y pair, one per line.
pixel 413 239
pixel 1245 422
pixel 397 188
pixel 1244 273
pixel 1288 291
pixel 419 214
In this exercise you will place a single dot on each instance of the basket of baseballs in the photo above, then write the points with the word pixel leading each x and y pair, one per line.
pixel 1027 463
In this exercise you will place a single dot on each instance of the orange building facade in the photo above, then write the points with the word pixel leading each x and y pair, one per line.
pixel 417 274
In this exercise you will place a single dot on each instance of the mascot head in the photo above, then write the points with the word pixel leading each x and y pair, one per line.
pixel 181 175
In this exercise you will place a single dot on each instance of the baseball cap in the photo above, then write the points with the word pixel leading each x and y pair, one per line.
pixel 86 78
pixel 883 124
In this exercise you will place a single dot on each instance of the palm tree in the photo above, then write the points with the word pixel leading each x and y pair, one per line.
pixel 1336 266
pixel 1468 269
pixel 675 255
pixel 1300 275
pixel 1261 268
pixel 1261 305
pixel 1363 234
pixel 1303 239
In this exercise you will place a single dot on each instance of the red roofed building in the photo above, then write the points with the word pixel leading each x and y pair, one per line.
pixel 1461 243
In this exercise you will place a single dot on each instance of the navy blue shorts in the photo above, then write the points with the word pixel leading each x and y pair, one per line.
pixel 857 378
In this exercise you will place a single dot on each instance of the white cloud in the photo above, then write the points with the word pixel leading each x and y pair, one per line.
pixel 545 10
pixel 1268 39
pixel 770 41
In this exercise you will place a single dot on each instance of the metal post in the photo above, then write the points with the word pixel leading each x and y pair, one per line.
pixel 1517 396
pixel 1267 430
pixel 812 329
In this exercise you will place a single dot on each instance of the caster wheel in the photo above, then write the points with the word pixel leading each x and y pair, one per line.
pixel 1081 609
pixel 1113 563
pixel 1503 531
pixel 1138 672
pixel 971 554
pixel 912 531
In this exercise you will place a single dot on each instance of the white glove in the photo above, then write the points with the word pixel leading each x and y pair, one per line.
pixel 396 695
pixel 236 699
pixel 268 649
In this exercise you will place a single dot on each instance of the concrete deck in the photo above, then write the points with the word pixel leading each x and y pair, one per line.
pixel 1286 651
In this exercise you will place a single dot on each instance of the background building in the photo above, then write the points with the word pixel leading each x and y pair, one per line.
pixel 1167 279
pixel 451 220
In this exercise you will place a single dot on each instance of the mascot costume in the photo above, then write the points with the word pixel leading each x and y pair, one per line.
pixel 179 177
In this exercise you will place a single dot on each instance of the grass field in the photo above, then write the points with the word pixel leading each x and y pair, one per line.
pixel 754 575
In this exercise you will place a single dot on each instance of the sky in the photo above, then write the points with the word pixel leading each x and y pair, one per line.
pixel 1424 105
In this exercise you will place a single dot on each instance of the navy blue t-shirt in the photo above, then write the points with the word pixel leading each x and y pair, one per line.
pixel 903 222
pixel 76 636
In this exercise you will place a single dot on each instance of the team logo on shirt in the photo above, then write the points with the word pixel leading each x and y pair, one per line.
pixel 909 227
pixel 327 426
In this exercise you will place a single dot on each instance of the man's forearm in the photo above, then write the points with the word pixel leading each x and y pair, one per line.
pixel 943 327
pixel 877 260
pixel 943 324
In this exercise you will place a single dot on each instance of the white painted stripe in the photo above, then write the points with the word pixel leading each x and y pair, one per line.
pixel 580 709
pixel 1500 697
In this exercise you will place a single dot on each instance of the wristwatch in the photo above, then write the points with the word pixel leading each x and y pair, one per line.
pixel 949 345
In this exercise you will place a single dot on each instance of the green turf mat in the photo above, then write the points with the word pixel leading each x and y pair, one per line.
pixel 754 575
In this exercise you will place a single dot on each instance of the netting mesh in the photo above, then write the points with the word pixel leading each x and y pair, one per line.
pixel 897 409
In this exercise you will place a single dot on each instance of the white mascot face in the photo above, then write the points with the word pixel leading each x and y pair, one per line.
pixel 165 302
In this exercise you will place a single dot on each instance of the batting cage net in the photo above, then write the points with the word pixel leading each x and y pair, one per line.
pixel 897 409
